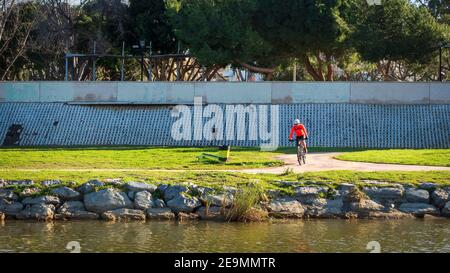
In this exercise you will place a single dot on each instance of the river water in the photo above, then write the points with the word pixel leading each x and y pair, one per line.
pixel 411 235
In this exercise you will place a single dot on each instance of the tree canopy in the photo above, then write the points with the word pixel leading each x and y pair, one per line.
pixel 325 39
pixel 269 33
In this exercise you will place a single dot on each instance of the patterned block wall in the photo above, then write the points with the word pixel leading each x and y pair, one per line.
pixel 330 125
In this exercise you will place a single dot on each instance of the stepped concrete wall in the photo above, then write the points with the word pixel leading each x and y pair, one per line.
pixel 368 115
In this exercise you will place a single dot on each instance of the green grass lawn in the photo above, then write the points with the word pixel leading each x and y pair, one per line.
pixel 405 157
pixel 131 158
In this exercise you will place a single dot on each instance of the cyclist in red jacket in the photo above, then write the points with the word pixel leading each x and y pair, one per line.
pixel 300 132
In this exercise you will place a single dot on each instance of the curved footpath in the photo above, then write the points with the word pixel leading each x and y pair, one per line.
pixel 328 162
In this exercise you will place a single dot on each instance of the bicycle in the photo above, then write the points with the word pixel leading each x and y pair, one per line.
pixel 301 155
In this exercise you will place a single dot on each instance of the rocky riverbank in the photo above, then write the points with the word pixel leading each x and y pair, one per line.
pixel 114 200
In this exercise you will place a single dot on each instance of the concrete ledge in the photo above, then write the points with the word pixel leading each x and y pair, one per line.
pixel 167 93
pixel 77 91
pixel 156 93
pixel 390 93
pixel 310 92
pixel 234 92
pixel 440 93
pixel 19 92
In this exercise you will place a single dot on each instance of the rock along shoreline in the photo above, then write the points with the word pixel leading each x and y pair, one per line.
pixel 114 200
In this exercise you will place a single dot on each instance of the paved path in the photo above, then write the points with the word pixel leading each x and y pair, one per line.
pixel 327 162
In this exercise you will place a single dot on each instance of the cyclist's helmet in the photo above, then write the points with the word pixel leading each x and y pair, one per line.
pixel 297 121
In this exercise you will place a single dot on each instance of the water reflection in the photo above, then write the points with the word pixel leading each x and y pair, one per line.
pixel 412 235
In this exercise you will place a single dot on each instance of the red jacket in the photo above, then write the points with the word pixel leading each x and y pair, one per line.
pixel 299 131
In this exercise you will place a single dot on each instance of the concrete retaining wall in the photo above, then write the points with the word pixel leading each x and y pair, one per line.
pixel 226 92
pixel 329 125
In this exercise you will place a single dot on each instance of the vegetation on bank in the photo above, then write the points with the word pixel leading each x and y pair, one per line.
pixel 177 165
pixel 219 179
pixel 245 204
pixel 425 157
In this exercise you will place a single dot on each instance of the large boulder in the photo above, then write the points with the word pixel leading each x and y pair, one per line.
pixel 343 190
pixel 131 194
pixel 71 207
pixel 352 195
pixel 10 208
pixel 439 197
pixel 89 186
pixel 308 194
pixel 8 194
pixel 173 191
pixel 183 203
pixel 25 182
pixel 49 183
pixel 75 210
pixel 417 196
pixel 158 203
pixel 123 215
pixel 212 213
pixel 201 191
pixel 346 187
pixel 39 211
pixel 308 191
pixel 418 209
pixel 29 192
pixel 160 214
pixel 323 208
pixel 162 187
pixel 385 195
pixel 446 209
pixel 286 208
pixel 143 200
pixel 218 200
pixel 365 206
pixel 66 193
pixel 139 186
pixel 428 186
pixel 46 199
pixel 117 182
pixel 106 200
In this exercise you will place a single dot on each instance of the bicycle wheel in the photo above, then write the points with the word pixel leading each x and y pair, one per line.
pixel 299 155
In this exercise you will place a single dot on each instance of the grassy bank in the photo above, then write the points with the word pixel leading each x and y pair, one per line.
pixel 161 158
pixel 177 165
pixel 219 179
pixel 150 158
pixel 437 157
